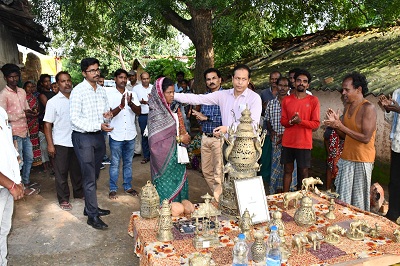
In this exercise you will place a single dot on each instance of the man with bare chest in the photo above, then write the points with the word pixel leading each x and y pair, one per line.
pixel 358 127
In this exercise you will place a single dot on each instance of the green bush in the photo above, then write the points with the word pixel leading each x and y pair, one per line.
pixel 167 67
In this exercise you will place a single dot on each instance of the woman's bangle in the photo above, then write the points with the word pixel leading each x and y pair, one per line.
pixel 12 187
pixel 120 107
pixel 178 139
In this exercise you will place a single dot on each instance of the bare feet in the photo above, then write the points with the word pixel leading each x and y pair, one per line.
pixel 113 195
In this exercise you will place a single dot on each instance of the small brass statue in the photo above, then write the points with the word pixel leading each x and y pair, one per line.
pixel 242 154
pixel 300 241
pixel 310 182
pixel 396 234
pixel 201 259
pixel 333 233
pixel 208 214
pixel 165 225
pixel 245 224
pixel 356 232
pixel 259 248
pixel 331 215
pixel 296 196
pixel 315 239
pixel 375 231
pixel 305 214
pixel 149 201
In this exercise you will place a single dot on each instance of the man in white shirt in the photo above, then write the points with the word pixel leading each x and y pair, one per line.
pixel 10 182
pixel 143 90
pixel 124 107
pixel 57 128
pixel 89 112
pixel 132 77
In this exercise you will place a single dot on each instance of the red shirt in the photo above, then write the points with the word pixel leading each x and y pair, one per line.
pixel 299 136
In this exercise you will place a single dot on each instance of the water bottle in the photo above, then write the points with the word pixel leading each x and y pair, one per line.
pixel 274 255
pixel 240 251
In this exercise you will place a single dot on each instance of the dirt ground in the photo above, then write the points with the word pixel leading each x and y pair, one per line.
pixel 43 234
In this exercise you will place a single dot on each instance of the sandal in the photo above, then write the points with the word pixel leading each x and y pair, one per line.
pixel 145 160
pixel 32 185
pixel 65 206
pixel 31 191
pixel 132 192
pixel 113 195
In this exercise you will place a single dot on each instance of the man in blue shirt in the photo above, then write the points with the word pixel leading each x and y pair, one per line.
pixel 211 150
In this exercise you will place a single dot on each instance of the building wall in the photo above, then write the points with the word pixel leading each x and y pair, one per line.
pixel 8 51
pixel 332 100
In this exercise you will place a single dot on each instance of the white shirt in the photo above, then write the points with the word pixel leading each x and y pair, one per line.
pixel 124 122
pixel 143 93
pixel 389 117
pixel 57 113
pixel 87 107
pixel 8 156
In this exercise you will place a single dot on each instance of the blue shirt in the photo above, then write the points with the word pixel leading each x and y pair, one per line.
pixel 213 114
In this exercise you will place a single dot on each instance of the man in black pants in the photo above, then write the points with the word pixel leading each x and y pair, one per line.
pixel 89 109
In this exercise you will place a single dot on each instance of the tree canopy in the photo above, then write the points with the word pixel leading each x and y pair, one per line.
pixel 222 31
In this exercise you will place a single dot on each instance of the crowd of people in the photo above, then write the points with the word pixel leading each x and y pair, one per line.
pixel 66 129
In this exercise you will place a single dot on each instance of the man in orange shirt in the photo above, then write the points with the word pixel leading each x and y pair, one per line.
pixel 358 128
pixel 300 116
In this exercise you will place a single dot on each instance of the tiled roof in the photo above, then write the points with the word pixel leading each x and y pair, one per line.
pixel 329 57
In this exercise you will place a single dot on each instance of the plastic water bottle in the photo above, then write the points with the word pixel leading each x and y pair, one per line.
pixel 274 256
pixel 240 251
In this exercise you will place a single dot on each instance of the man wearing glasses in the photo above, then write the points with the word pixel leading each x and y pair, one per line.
pixel 89 109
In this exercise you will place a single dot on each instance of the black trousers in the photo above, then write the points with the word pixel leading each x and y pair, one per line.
pixel 90 149
pixel 394 187
pixel 65 161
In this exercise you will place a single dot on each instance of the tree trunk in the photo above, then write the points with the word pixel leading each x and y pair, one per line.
pixel 121 58
pixel 199 30
pixel 203 42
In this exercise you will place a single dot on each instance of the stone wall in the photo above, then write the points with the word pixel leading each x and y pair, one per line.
pixel 331 99
pixel 8 51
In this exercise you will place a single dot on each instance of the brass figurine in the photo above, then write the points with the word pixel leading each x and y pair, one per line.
pixel 243 151
pixel 331 215
pixel 396 234
pixel 296 196
pixel 208 214
pixel 259 248
pixel 300 241
pixel 315 239
pixel 149 201
pixel 305 214
pixel 165 225
pixel 246 224
pixel 310 182
pixel 356 232
pixel 333 233
pixel 201 259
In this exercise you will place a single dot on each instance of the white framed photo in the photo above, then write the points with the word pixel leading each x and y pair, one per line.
pixel 250 195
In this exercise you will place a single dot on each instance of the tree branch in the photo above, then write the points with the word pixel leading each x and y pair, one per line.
pixel 359 8
pixel 181 24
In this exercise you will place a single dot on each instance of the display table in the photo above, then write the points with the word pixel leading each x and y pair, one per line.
pixel 178 251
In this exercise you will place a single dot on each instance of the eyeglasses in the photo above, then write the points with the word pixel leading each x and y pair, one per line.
pixel 93 71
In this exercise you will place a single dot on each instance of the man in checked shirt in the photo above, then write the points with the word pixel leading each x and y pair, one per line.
pixel 210 118
pixel 90 114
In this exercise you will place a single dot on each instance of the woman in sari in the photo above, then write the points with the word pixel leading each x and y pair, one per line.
pixel 167 140
pixel 33 123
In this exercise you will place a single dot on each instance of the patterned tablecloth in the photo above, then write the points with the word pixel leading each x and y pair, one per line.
pixel 178 251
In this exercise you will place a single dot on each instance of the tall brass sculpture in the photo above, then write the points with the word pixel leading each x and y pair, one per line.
pixel 243 151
